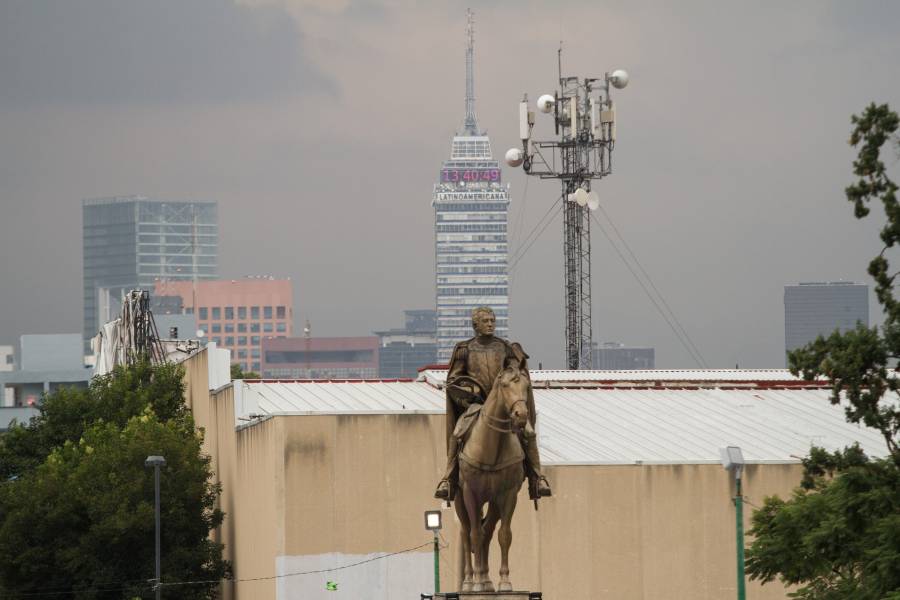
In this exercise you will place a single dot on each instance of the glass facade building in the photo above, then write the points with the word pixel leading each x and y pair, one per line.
pixel 130 242
pixel 818 308
pixel 471 210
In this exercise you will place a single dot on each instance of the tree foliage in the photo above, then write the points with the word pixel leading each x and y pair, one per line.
pixel 77 502
pixel 238 373
pixel 838 536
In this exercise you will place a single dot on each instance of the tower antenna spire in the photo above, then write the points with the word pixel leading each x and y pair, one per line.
pixel 471 123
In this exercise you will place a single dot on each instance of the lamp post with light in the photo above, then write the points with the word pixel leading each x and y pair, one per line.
pixel 433 524
pixel 156 462
pixel 733 461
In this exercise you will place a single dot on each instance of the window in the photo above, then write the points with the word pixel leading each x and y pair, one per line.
pixel 254 312
pixel 254 340
pixel 229 313
pixel 229 327
pixel 280 312
pixel 242 312
pixel 189 310
pixel 254 327
pixel 204 313
pixel 229 341
pixel 267 328
pixel 255 367
pixel 242 340
pixel 217 340
pixel 281 327
pixel 267 312
pixel 216 313
pixel 254 352
pixel 242 354
pixel 217 328
pixel 242 327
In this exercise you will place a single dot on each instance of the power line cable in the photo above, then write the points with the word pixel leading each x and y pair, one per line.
pixel 207 581
pixel 687 347
pixel 653 286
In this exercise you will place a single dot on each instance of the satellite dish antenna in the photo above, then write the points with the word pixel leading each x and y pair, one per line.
pixel 593 200
pixel 514 157
pixel 619 78
pixel 545 103
pixel 581 197
pixel 200 333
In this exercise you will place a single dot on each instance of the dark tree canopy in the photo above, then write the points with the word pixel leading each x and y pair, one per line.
pixel 77 502
pixel 838 536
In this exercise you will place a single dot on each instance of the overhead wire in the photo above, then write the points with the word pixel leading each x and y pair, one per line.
pixel 653 286
pixel 694 355
pixel 122 587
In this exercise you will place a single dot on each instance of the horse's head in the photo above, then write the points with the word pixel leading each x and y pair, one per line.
pixel 513 384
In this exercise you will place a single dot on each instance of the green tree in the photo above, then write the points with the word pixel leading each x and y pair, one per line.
pixel 838 536
pixel 238 373
pixel 77 503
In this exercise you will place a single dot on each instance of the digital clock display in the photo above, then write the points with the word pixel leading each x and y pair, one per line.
pixel 470 175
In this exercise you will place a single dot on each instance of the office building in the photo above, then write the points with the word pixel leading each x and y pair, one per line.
pixel 402 352
pixel 236 314
pixel 320 358
pixel 818 308
pixel 471 208
pixel 130 242
pixel 47 363
pixel 614 356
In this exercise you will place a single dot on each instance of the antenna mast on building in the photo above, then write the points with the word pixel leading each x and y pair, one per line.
pixel 584 121
pixel 471 123
pixel 307 330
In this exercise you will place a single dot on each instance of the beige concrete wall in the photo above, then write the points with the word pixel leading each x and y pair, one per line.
pixel 325 489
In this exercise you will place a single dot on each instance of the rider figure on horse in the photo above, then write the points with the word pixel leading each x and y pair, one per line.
pixel 474 366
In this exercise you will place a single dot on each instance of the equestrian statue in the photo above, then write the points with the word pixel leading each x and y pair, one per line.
pixel 491 446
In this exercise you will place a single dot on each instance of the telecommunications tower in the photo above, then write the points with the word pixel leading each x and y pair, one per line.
pixel 584 119
pixel 471 209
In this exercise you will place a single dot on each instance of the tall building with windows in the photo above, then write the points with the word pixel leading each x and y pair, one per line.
pixel 818 308
pixel 130 242
pixel 471 208
pixel 237 314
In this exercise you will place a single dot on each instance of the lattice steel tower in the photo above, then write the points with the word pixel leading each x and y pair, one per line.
pixel 584 121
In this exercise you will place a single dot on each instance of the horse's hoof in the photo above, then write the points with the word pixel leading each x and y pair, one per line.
pixel 488 586
pixel 467 586
pixel 504 586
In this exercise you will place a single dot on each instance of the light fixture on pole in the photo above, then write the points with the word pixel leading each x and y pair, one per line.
pixel 433 524
pixel 733 461
pixel 156 462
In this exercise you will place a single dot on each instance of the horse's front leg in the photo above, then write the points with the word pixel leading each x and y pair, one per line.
pixel 505 538
pixel 490 522
pixel 464 576
pixel 476 536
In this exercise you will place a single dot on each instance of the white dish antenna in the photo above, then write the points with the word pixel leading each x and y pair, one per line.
pixel 200 333
pixel 515 157
pixel 581 197
pixel 593 200
pixel 545 103
pixel 619 78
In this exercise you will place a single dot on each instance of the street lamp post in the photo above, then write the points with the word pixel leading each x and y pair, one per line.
pixel 433 524
pixel 733 460
pixel 156 462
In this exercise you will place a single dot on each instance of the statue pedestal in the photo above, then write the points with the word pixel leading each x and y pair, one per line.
pixel 488 596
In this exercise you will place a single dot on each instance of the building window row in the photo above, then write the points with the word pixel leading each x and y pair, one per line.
pixel 279 312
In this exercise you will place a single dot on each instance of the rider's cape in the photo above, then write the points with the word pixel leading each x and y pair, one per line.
pixel 514 354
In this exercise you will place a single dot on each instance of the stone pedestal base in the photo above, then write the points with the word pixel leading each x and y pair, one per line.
pixel 488 596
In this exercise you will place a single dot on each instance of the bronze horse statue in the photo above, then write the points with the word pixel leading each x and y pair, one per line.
pixel 491 471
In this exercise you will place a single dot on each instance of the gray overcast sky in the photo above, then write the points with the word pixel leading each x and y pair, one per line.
pixel 319 127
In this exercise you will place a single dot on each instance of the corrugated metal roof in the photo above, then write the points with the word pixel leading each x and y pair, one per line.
pixel 439 376
pixel 609 426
